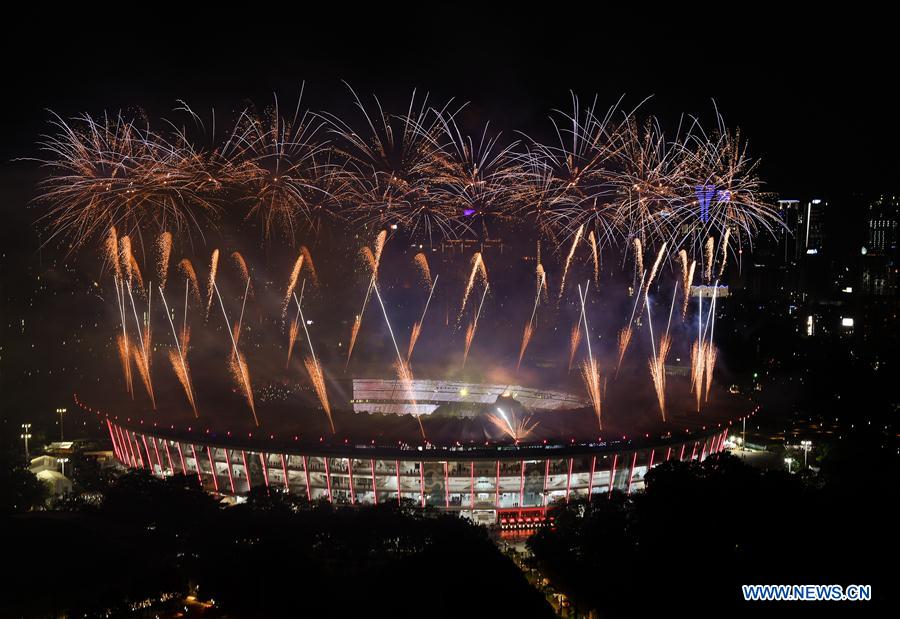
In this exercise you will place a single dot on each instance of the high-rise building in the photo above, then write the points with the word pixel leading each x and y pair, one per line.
pixel 790 236
pixel 882 225
pixel 879 254
pixel 811 224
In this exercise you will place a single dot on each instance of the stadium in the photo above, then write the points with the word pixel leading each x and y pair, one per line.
pixel 467 466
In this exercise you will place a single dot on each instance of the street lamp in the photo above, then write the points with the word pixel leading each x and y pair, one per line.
pixel 62 465
pixel 789 461
pixel 26 434
pixel 60 412
pixel 805 446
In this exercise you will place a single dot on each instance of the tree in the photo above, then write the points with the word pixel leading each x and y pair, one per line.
pixel 20 490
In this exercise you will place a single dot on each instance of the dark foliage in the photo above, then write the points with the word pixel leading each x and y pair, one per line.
pixel 700 531
pixel 273 556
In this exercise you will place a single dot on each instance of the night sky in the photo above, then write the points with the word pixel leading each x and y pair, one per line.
pixel 814 101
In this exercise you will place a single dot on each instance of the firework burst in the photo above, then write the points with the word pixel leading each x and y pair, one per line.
pixel 393 167
pixel 116 172
pixel 512 426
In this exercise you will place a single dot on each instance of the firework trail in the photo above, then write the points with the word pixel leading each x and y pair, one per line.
pixel 242 268
pixel 592 239
pixel 574 341
pixel 709 364
pixel 185 334
pixel 687 279
pixel 529 326
pixel 657 362
pixel 313 368
pixel 237 364
pixel 724 252
pixel 142 357
pixel 421 262
pixel 516 429
pixel 310 265
pixel 526 338
pixel 129 264
pixel 623 340
pixel 178 357
pixel 241 375
pixel 417 327
pixel 125 257
pixel 562 281
pixel 413 338
pixel 697 368
pixel 292 284
pixel 240 322
pixel 187 269
pixel 318 381
pixel 136 273
pixel 164 248
pixel 373 259
pixel 653 270
pixel 144 371
pixel 703 353
pixel 582 297
pixel 710 354
pixel 380 240
pixel 181 372
pixel 477 267
pixel 624 337
pixel 123 346
pixel 369 258
pixel 211 284
pixel 292 338
pixel 591 376
pixel 638 257
pixel 710 245
pixel 404 374
pixel 112 252
pixel 543 287
pixel 590 371
pixel 125 358
pixel 354 331
pixel 470 331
